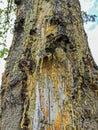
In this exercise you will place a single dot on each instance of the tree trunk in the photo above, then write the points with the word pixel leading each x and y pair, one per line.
pixel 50 80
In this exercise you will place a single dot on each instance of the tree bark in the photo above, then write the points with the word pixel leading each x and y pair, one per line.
pixel 50 80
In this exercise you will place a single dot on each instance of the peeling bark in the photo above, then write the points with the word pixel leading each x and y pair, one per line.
pixel 50 80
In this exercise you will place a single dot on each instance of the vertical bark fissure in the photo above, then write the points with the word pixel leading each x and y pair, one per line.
pixel 50 84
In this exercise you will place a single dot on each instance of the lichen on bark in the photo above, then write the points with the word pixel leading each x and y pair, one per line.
pixel 50 80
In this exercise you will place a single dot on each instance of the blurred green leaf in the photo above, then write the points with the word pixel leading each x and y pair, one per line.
pixel 3 52
pixel 0 32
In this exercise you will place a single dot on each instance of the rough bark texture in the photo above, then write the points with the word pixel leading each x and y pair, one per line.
pixel 50 81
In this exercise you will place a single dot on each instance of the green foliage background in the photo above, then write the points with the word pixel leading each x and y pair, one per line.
pixel 7 11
